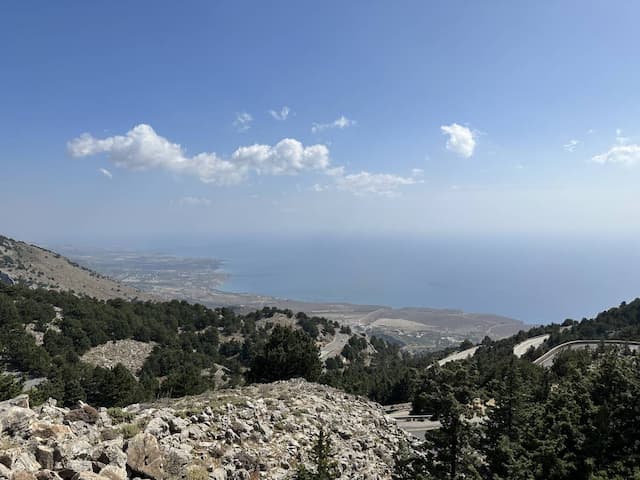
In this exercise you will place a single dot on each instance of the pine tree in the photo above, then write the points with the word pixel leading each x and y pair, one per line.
pixel 322 458
pixel 10 387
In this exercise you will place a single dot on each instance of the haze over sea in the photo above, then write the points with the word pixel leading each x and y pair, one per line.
pixel 537 280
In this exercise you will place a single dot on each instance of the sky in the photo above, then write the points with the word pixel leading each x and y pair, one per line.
pixel 414 117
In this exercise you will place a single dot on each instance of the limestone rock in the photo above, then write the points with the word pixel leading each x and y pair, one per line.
pixel 113 473
pixel 254 432
pixel 144 456
pixel 5 473
pixel 22 475
pixel 50 430
pixel 15 420
pixel 45 456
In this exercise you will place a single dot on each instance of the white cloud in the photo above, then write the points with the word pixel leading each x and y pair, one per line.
pixel 282 114
pixel 571 145
pixel 461 139
pixel 364 183
pixel 622 152
pixel 106 173
pixel 625 154
pixel 194 202
pixel 342 122
pixel 243 121
pixel 335 171
pixel 143 149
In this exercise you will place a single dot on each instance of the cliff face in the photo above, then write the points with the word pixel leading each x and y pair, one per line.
pixel 256 432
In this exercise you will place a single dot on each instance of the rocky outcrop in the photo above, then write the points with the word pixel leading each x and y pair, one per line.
pixel 130 353
pixel 255 432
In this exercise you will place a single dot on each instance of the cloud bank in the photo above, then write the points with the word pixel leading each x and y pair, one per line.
pixel 622 152
pixel 461 139
pixel 364 183
pixel 142 149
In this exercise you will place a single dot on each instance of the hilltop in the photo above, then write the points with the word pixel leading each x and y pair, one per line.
pixel 256 432
pixel 39 267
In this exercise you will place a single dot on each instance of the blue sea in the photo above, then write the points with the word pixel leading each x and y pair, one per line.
pixel 537 280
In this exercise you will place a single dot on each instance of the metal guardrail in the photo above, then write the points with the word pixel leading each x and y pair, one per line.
pixel 551 354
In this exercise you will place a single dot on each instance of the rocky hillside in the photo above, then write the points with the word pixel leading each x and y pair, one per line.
pixel 36 266
pixel 257 432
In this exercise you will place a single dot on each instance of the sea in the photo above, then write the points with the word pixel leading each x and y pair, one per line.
pixel 534 279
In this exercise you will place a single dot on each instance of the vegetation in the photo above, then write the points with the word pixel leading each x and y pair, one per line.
pixel 576 420
pixel 191 341
pixel 324 467
pixel 502 417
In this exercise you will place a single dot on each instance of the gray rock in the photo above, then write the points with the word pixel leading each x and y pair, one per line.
pixel 144 456
pixel 70 468
pixel 47 475
pixel 112 472
pixel 26 461
pixel 5 473
pixel 177 425
pixel 44 456
pixel 22 475
pixel 15 420
pixel 110 453
pixel 218 474
pixel 157 427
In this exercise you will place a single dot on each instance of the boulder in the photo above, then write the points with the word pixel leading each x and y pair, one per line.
pixel 112 472
pixel 157 427
pixel 25 461
pixel 19 401
pixel 47 475
pixel 87 475
pixel 5 473
pixel 50 430
pixel 15 420
pixel 218 474
pixel 22 475
pixel 44 456
pixel 110 453
pixel 144 456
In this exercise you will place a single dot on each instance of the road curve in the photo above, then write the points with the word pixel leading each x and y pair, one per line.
pixel 463 355
pixel 534 342
pixel 548 358
pixel 334 347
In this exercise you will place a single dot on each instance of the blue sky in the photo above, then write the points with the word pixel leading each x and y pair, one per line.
pixel 148 118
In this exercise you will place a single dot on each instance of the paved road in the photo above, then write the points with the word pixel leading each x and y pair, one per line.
pixel 334 347
pixel 534 342
pixel 463 355
pixel 548 358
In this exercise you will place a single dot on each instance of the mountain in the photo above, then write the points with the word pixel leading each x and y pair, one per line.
pixel 38 267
